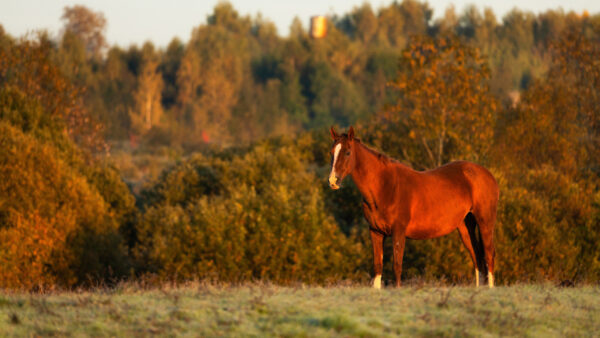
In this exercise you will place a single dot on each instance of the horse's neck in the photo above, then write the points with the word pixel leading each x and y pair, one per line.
pixel 368 172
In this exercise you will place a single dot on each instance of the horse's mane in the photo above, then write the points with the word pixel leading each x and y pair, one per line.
pixel 380 156
pixel 383 158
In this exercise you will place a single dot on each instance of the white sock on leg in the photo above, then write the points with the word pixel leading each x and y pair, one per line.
pixel 377 282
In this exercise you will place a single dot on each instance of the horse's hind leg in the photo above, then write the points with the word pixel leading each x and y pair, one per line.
pixel 486 222
pixel 487 235
pixel 466 239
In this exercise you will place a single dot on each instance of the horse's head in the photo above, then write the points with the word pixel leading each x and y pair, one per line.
pixel 343 157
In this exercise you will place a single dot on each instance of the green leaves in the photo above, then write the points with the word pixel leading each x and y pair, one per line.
pixel 266 221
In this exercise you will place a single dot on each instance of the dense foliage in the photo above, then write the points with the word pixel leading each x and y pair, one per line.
pixel 260 215
pixel 236 117
pixel 60 209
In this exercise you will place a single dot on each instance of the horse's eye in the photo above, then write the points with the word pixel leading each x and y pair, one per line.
pixel 348 153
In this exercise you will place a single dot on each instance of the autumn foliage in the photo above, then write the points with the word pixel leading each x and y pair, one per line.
pixel 260 215
pixel 220 152
pixel 59 216
pixel 445 106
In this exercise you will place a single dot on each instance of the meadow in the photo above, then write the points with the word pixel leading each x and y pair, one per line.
pixel 208 309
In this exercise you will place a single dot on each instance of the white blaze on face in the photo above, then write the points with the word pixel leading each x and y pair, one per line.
pixel 336 152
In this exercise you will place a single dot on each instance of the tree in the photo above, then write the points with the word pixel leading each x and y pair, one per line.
pixel 88 26
pixel 148 108
pixel 360 24
pixel 448 24
pixel 296 29
pixel 416 16
pixel 168 68
pixel 470 22
pixel 57 227
pixel 331 97
pixel 486 32
pixel 390 28
pixel 212 72
pixel 563 109
pixel 28 66
pixel 445 105
pixel 62 208
pixel 112 98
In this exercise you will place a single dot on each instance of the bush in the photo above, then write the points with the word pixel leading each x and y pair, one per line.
pixel 546 228
pixel 265 221
pixel 55 227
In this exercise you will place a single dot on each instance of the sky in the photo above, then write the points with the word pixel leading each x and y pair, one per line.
pixel 136 21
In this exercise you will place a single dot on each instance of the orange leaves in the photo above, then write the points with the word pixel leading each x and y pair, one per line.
pixel 29 67
pixel 556 120
pixel 48 209
pixel 444 98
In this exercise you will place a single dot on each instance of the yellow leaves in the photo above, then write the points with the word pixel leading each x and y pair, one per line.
pixel 31 241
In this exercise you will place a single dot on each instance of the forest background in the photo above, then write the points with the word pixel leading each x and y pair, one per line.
pixel 208 159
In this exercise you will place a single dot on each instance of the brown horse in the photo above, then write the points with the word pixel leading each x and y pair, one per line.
pixel 401 202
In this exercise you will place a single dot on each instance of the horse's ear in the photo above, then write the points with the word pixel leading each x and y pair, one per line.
pixel 351 133
pixel 334 135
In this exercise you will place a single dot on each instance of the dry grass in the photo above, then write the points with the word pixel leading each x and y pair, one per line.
pixel 208 309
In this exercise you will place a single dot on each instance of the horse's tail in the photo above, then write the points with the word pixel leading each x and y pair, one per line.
pixel 477 243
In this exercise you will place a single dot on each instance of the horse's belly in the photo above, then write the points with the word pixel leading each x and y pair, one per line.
pixel 437 215
pixel 416 230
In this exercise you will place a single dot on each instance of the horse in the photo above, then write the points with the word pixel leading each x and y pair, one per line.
pixel 403 203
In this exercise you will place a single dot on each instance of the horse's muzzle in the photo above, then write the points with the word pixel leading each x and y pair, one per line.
pixel 333 182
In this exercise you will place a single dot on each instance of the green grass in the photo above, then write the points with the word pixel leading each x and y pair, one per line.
pixel 257 310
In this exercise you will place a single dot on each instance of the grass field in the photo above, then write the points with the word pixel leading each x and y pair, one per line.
pixel 202 309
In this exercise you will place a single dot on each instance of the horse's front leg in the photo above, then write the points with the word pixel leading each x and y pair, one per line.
pixel 377 241
pixel 398 239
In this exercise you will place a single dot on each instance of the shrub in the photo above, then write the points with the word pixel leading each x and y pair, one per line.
pixel 546 228
pixel 266 221
pixel 55 227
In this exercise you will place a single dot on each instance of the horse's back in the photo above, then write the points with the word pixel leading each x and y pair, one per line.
pixel 483 186
pixel 471 176
pixel 439 200
pixel 481 180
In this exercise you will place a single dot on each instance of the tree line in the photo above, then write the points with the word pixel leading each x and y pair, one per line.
pixel 236 80
pixel 245 113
